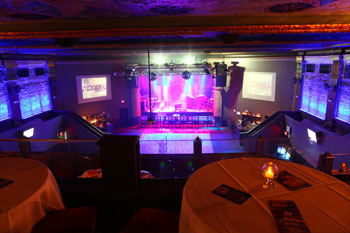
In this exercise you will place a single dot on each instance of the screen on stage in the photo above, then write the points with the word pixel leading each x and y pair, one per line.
pixel 93 88
pixel 259 86
pixel 172 93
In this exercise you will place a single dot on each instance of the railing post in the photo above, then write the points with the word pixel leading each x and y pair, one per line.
pixel 24 146
pixel 325 163
pixel 197 147
pixel 197 152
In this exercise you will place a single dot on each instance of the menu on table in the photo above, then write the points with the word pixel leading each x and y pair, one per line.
pixel 290 181
pixel 287 217
pixel 231 194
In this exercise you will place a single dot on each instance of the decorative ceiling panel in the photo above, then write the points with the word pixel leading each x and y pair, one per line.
pixel 17 10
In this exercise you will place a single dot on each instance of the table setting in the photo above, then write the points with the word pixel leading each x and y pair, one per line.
pixel 263 195
pixel 28 190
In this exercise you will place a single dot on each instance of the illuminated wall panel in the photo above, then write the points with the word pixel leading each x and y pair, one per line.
pixel 314 93
pixel 34 95
pixel 5 112
pixel 343 106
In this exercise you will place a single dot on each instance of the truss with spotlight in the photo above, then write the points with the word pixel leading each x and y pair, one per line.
pixel 169 69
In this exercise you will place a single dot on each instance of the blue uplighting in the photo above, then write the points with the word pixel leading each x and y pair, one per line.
pixel 5 112
pixel 283 153
pixel 343 105
pixel 202 84
pixel 314 95
pixel 34 95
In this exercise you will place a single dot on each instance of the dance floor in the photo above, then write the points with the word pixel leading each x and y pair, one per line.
pixel 180 141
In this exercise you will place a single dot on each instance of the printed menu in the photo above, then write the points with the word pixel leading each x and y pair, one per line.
pixel 287 217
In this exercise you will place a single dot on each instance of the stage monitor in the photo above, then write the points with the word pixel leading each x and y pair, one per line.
pixel 259 86
pixel 92 88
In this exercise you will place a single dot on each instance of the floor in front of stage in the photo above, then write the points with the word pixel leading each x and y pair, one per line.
pixel 180 140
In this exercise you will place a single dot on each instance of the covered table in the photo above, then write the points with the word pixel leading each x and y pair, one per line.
pixel 324 206
pixel 33 193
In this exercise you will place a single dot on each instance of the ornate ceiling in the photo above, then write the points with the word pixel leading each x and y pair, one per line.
pixel 43 26
pixel 14 10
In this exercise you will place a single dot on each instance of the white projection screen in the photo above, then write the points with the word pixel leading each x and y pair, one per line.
pixel 259 86
pixel 91 88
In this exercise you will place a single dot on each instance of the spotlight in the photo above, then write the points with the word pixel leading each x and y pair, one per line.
pixel 170 66
pixel 153 76
pixel 160 61
pixel 127 72
pixel 189 61
pixel 186 74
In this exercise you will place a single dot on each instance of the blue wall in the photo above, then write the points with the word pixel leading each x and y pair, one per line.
pixel 330 142
pixel 5 112
pixel 34 96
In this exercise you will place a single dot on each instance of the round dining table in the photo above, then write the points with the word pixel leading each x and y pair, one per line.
pixel 324 205
pixel 31 192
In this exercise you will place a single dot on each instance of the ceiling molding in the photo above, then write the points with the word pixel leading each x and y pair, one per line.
pixel 171 21
pixel 160 31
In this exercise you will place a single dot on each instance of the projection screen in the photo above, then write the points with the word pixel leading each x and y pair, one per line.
pixel 259 86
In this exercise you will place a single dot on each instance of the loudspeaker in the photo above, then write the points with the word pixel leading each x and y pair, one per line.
pixel 220 80
pixel 124 117
pixel 132 81
pixel 221 69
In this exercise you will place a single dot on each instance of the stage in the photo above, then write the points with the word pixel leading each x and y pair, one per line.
pixel 180 140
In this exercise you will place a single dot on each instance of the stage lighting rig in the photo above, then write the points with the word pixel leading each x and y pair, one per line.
pixel 130 71
pixel 170 65
pixel 206 67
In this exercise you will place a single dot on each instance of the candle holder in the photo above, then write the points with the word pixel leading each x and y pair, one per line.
pixel 270 172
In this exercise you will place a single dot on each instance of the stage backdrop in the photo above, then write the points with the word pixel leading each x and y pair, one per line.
pixel 172 93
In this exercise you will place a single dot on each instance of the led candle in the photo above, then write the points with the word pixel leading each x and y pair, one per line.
pixel 269 173
pixel 343 167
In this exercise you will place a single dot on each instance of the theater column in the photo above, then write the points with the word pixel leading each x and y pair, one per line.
pixel 135 104
pixel 51 69
pixel 300 66
pixel 217 111
pixel 11 78
pixel 337 68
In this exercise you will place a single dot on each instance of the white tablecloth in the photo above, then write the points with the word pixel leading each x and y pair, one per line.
pixel 33 193
pixel 325 206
